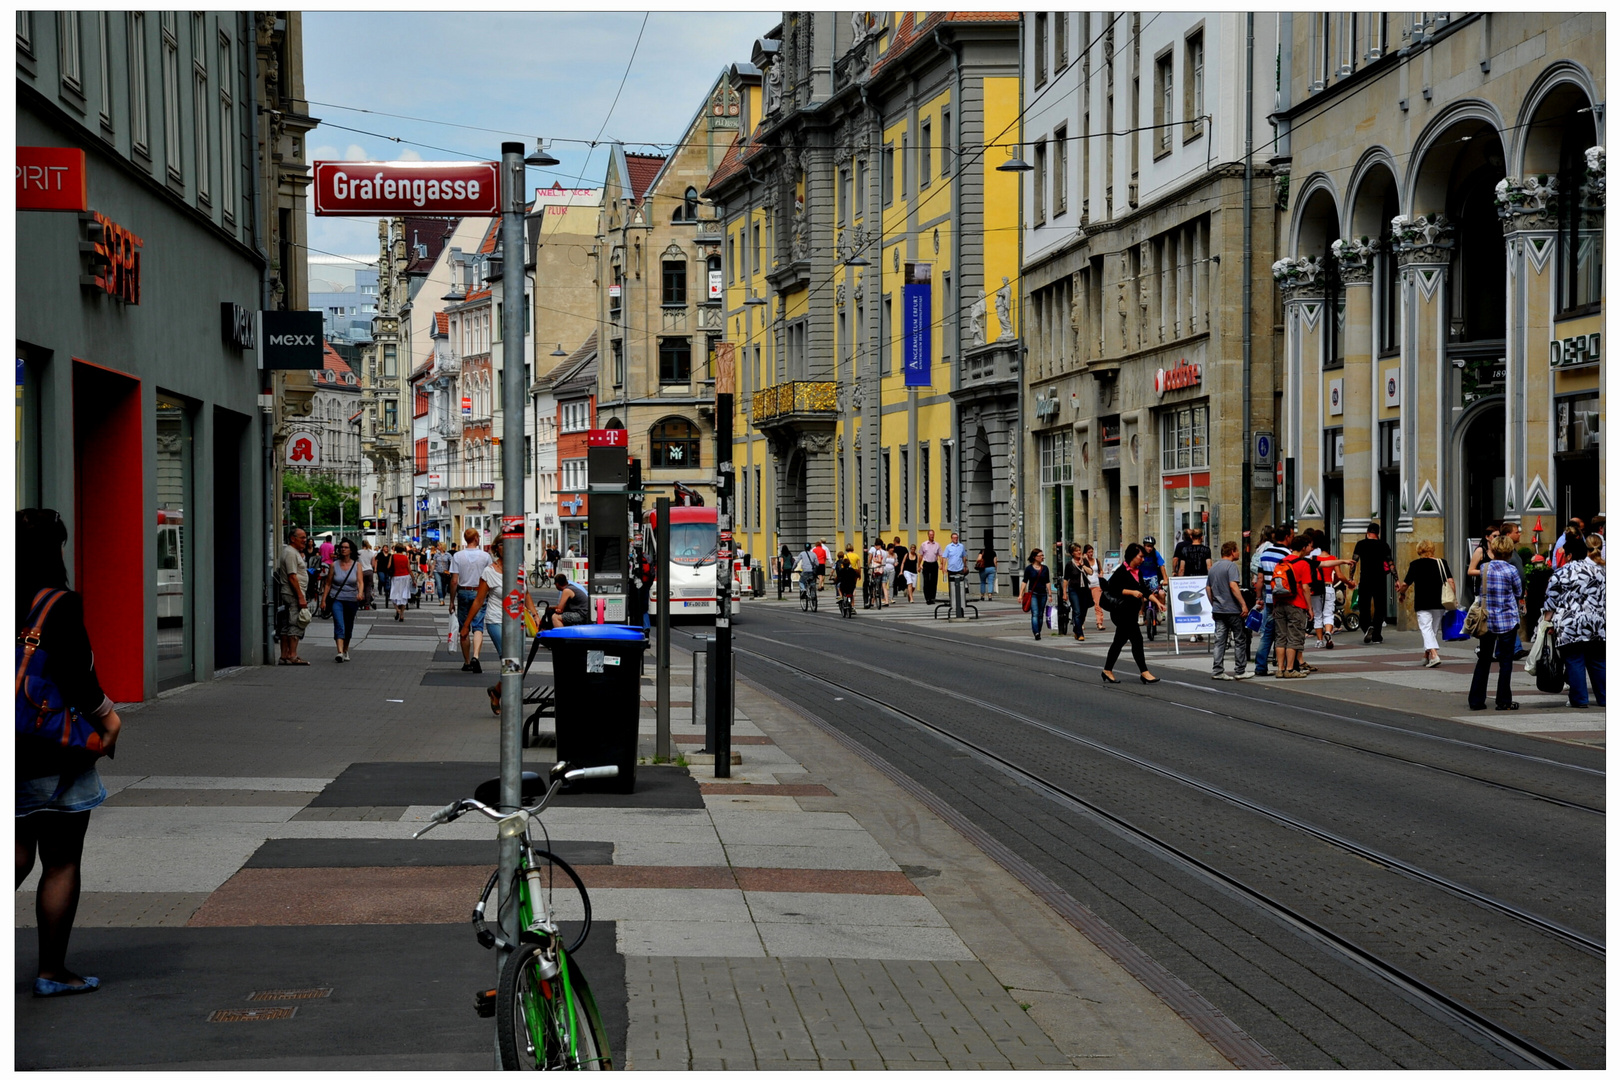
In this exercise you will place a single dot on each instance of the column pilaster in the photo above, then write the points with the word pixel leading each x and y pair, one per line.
pixel 1355 259
pixel 1528 209
pixel 1303 283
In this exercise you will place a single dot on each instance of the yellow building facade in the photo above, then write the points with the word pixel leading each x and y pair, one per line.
pixel 864 221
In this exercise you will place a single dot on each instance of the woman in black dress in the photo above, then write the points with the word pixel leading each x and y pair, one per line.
pixel 57 788
pixel 1129 593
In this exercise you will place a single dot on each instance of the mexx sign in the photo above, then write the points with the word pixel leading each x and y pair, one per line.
pixel 292 340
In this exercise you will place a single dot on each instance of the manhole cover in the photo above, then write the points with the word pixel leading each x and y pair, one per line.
pixel 228 1016
pixel 307 994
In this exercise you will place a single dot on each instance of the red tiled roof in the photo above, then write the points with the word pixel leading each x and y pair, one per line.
pixel 909 31
pixel 480 294
pixel 732 161
pixel 643 168
pixel 441 320
pixel 491 237
pixel 339 367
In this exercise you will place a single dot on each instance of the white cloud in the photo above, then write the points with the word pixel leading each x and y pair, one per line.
pixel 407 154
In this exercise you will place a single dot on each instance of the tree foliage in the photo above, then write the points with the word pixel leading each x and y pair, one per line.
pixel 330 498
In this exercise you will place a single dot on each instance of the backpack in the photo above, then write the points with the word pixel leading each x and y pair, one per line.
pixel 1283 584
pixel 42 714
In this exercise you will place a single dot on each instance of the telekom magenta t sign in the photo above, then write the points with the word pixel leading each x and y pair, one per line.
pixel 372 188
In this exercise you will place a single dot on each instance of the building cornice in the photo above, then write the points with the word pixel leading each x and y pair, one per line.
pixel 1362 77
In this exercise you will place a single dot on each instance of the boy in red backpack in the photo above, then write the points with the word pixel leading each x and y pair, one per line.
pixel 1291 607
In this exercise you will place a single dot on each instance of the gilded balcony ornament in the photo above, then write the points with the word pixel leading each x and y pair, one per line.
pixel 1300 278
pixel 815 397
pixel 1530 203
pixel 1422 238
pixel 1355 259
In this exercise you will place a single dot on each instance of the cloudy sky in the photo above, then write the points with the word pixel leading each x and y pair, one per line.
pixel 551 74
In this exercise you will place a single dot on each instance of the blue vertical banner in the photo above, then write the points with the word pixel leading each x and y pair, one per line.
pixel 918 329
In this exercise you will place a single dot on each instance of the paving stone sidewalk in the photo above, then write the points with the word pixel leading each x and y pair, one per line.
pixel 803 913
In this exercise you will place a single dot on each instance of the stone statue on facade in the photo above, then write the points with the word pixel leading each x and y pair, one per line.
pixel 976 317
pixel 773 87
pixel 1004 309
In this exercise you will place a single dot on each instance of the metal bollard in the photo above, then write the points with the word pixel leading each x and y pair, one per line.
pixel 700 680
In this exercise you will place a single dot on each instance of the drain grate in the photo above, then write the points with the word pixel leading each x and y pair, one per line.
pixel 307 994
pixel 230 1016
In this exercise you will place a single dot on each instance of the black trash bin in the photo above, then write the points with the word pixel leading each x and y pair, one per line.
pixel 597 674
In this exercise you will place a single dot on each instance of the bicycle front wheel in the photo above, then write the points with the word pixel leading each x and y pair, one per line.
pixel 542 1025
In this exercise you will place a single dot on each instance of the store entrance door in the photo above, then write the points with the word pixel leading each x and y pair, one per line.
pixel 174 584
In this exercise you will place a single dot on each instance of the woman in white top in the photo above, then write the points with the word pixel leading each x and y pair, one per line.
pixel 1088 562
pixel 368 573
pixel 488 600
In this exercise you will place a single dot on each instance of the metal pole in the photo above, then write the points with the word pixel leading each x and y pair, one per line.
pixel 661 748
pixel 1248 280
pixel 721 673
pixel 512 188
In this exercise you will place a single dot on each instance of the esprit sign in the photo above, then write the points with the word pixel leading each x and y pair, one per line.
pixel 292 340
pixel 111 258
pixel 369 188
pixel 1180 377
pixel 51 178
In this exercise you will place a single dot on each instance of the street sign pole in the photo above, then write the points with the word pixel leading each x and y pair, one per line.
pixel 724 379
pixel 511 193
pixel 662 747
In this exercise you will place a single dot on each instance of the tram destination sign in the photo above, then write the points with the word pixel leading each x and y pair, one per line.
pixel 440 188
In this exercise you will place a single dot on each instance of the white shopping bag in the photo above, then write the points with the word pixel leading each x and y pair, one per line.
pixel 1537 642
pixel 451 635
pixel 1051 618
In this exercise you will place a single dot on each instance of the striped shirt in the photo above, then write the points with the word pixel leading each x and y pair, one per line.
pixel 1267 561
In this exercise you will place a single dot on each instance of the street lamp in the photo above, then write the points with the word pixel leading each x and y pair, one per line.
pixel 540 158
pixel 1014 163
pixel 857 260
pixel 558 351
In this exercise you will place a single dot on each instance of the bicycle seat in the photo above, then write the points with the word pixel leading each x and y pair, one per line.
pixel 534 786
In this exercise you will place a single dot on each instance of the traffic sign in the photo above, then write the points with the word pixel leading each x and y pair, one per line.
pixel 1265 445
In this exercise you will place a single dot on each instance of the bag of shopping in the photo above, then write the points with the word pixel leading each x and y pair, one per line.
pixel 1537 640
pixel 1051 618
pixel 1474 623
pixel 451 630
pixel 1549 665
pixel 1255 622
pixel 1451 625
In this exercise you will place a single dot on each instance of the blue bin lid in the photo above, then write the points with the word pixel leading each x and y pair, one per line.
pixel 594 632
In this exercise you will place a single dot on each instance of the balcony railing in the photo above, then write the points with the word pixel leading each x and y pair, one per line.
pixel 795 399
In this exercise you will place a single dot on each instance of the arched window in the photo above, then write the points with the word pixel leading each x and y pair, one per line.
pixel 675 444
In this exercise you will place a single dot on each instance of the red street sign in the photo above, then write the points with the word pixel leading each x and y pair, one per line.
pixel 51 178
pixel 371 188
pixel 608 437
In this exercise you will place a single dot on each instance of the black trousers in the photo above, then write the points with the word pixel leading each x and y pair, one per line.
pixel 1126 630
pixel 1374 594
pixel 930 576
pixel 1496 648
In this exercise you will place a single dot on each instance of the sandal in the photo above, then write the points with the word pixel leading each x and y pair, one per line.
pixel 298 662
pixel 51 988
pixel 494 699
pixel 1509 706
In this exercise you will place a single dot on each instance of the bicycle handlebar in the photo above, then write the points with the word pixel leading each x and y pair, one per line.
pixel 460 806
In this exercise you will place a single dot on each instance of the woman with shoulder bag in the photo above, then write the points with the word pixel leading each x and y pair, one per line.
pixel 56 788
pixel 342 595
pixel 986 565
pixel 1429 581
pixel 1037 585
pixel 1501 585
pixel 1123 596
pixel 1575 599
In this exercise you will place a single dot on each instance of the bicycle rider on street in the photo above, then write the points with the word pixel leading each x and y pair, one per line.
pixel 808 568
pixel 846 576
pixel 1152 566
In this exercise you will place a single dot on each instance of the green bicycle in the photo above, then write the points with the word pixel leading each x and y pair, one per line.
pixel 545 1014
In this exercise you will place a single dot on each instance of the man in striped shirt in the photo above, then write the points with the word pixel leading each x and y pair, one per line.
pixel 1263 564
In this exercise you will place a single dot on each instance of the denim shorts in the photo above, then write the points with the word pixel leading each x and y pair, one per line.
pixel 67 794
pixel 464 601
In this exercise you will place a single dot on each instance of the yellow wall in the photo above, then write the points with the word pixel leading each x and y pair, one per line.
pixel 1001 190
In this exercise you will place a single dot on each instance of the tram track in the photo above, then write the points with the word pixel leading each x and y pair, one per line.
pixel 1414 986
